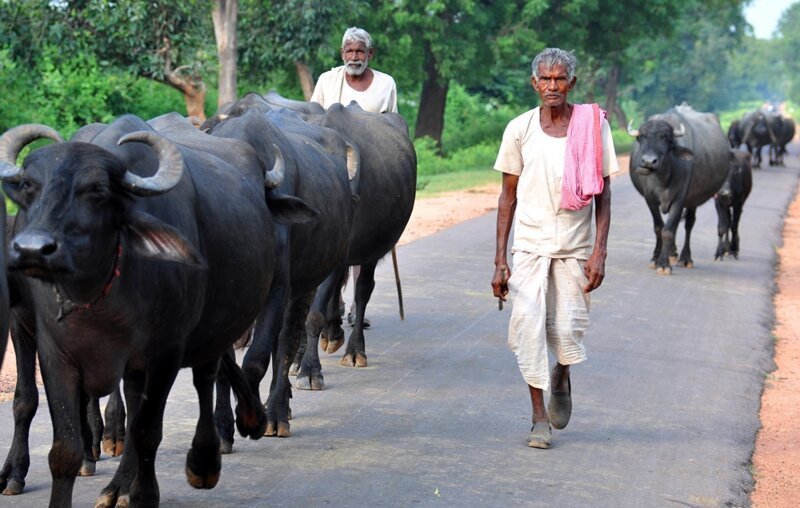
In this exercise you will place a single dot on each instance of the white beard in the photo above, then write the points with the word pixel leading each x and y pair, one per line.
pixel 356 68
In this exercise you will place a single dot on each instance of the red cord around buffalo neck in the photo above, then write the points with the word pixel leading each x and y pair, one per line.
pixel 67 306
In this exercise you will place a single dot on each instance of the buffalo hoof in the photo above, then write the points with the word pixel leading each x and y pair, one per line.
pixel 14 487
pixel 95 453
pixel 113 447
pixel 652 265
pixel 109 500
pixel 201 482
pixel 664 270
pixel 88 468
pixel 334 345
pixel 225 447
pixel 673 260
pixel 294 368
pixel 250 424
pixel 278 429
pixel 354 360
pixel 331 344
pixel 310 383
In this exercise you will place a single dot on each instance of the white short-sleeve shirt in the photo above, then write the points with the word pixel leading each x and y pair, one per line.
pixel 379 97
pixel 541 226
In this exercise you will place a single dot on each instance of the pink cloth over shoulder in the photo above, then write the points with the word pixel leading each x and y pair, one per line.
pixel 583 164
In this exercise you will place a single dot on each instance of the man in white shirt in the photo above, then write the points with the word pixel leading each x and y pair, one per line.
pixel 556 262
pixel 374 91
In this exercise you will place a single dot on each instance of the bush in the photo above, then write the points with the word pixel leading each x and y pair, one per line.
pixel 471 120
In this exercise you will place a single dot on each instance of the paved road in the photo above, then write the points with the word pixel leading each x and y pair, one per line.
pixel 666 408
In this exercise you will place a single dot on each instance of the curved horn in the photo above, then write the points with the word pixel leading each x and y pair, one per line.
pixel 274 177
pixel 14 140
pixel 680 131
pixel 170 165
pixel 631 131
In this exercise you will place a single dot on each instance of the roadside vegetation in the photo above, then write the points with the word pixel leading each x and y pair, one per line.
pixel 462 67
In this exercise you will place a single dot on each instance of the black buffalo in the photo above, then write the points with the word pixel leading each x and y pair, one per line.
pixel 735 134
pixel 144 256
pixel 729 201
pixel 386 189
pixel 758 129
pixel 679 160
pixel 26 393
pixel 783 136
pixel 316 163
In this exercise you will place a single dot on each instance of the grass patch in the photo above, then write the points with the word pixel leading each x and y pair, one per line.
pixel 432 185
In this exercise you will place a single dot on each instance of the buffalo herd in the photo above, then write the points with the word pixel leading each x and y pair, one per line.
pixel 681 158
pixel 143 247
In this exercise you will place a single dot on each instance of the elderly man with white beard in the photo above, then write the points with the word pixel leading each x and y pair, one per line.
pixel 374 91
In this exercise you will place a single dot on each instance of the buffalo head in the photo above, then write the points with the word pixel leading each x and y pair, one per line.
pixel 656 140
pixel 76 201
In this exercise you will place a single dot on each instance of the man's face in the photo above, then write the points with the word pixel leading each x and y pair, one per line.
pixel 553 85
pixel 356 57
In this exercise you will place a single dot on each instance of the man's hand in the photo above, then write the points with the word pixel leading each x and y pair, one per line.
pixel 500 281
pixel 595 271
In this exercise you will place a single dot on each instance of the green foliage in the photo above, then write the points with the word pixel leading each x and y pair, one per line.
pixel 787 47
pixel 472 119
pixel 435 184
pixel 478 157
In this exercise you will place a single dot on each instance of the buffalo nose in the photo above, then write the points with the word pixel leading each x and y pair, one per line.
pixel 649 159
pixel 33 245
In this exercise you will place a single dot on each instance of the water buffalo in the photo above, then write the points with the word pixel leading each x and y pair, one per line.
pixel 26 393
pixel 758 129
pixel 729 201
pixel 316 161
pixel 135 248
pixel 386 190
pixel 735 134
pixel 783 136
pixel 679 160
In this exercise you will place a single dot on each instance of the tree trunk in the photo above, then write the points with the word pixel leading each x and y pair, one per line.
pixel 430 117
pixel 306 80
pixel 194 94
pixel 224 15
pixel 612 106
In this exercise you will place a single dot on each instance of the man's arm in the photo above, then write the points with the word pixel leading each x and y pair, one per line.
pixel 506 205
pixel 595 268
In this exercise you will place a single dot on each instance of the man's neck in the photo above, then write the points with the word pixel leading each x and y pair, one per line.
pixel 360 82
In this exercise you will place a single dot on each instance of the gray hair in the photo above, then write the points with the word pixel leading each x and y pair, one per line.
pixel 551 57
pixel 355 34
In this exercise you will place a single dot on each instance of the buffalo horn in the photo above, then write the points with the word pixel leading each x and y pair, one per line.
pixel 631 131
pixel 680 131
pixel 274 177
pixel 170 165
pixel 14 140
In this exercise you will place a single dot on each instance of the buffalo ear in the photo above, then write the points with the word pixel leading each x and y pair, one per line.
pixel 287 209
pixel 151 238
pixel 684 153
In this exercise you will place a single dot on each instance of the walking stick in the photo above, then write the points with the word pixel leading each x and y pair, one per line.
pixel 397 281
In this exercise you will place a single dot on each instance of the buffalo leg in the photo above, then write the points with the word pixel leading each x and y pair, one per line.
pixel 737 215
pixel 26 401
pixel 355 354
pixel 658 228
pixel 204 462
pixel 292 332
pixel 223 412
pixel 668 239
pixel 114 430
pixel 92 430
pixel 67 402
pixel 119 487
pixel 686 252
pixel 309 371
pixel 723 226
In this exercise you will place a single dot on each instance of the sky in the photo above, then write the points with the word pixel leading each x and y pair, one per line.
pixel 764 15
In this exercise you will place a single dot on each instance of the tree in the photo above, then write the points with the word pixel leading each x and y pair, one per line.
pixel 291 33
pixel 224 16
pixel 788 47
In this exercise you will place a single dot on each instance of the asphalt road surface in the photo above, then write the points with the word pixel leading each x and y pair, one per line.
pixel 665 409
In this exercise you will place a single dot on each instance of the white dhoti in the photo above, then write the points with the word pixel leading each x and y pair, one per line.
pixel 550 311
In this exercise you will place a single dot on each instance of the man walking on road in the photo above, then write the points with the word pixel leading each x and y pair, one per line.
pixel 556 160
pixel 374 91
